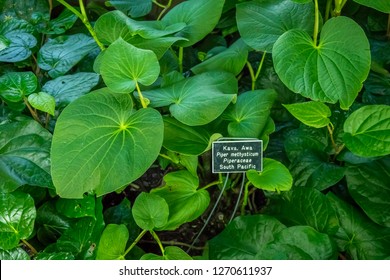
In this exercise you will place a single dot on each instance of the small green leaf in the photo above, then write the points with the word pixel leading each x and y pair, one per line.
pixel 14 254
pixel 367 131
pixel 17 216
pixel 24 155
pixel 262 22
pixel 185 202
pixel 244 237
pixel 14 86
pixel 19 47
pixel 333 70
pixel 60 24
pixel 112 243
pixel 60 54
pixel 123 66
pixel 66 89
pixel 150 211
pixel 133 8
pixel 312 113
pixel 369 186
pixel 380 5
pixel 197 100
pixel 200 16
pixel 77 208
pixel 246 120
pixel 97 137
pixel 274 177
pixel 43 102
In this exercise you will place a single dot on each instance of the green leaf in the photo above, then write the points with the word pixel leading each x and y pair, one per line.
pixel 60 54
pixel 262 22
pixel 24 155
pixel 312 113
pixel 4 42
pixel 185 202
pixel 97 137
pixel 246 120
pixel 14 86
pixel 19 48
pixel 380 5
pixel 17 216
pixel 197 100
pixel 187 140
pixel 358 235
pixel 244 237
pixel 123 66
pixel 314 245
pixel 231 60
pixel 377 89
pixel 14 254
pixel 60 24
pixel 77 208
pixel 170 253
pixel 305 206
pixel 133 8
pixel 158 45
pixel 150 211
pixel 112 243
pixel 274 177
pixel 43 102
pixel 32 11
pixel 369 186
pixel 331 71
pixel 367 131
pixel 66 89
pixel 200 16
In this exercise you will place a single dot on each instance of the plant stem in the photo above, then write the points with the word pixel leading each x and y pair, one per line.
pixel 84 19
pixel 181 53
pixel 141 97
pixel 316 22
pixel 32 249
pixel 327 11
pixel 245 199
pixel 331 130
pixel 165 8
pixel 168 158
pixel 211 184
pixel 32 111
pixel 155 236
pixel 47 119
pixel 254 76
pixel 135 242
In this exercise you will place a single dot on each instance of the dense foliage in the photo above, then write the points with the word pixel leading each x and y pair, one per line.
pixel 108 112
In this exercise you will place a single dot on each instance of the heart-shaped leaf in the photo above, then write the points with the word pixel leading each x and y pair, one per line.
pixel 367 131
pixel 112 243
pixel 274 177
pixel 150 211
pixel 14 86
pixel 17 216
pixel 101 143
pixel 185 202
pixel 123 66
pixel 262 22
pixel 197 100
pixel 43 102
pixel 19 47
pixel 312 113
pixel 331 71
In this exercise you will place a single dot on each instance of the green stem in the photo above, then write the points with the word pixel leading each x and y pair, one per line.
pixel 181 54
pixel 316 22
pixel 331 130
pixel 166 7
pixel 212 184
pixel 32 249
pixel 84 18
pixel 32 111
pixel 254 76
pixel 328 8
pixel 245 198
pixel 155 236
pixel 135 242
pixel 141 97
pixel 168 158
pixel 158 4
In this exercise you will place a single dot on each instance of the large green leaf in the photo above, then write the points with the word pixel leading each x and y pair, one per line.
pixel 312 113
pixel 367 131
pixel 14 86
pixel 305 241
pixel 185 202
pixel 331 71
pixel 17 216
pixel 19 47
pixel 231 60
pixel 123 66
pixel 150 211
pixel 112 243
pixel 358 235
pixel 187 140
pixel 134 8
pixel 274 177
pixel 66 89
pixel 244 237
pixel 305 206
pixel 60 54
pixel 380 5
pixel 249 115
pixel 24 155
pixel 197 100
pixel 101 143
pixel 262 22
pixel 369 185
pixel 200 16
